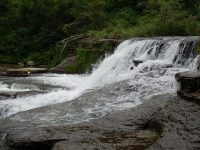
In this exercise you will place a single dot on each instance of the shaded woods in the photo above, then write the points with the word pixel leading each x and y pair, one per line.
pixel 30 29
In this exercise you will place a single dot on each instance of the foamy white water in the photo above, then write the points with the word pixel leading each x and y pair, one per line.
pixel 161 61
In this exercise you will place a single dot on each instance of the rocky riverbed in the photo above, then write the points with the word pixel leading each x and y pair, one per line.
pixel 164 122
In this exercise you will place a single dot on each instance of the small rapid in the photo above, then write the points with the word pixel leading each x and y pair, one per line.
pixel 129 83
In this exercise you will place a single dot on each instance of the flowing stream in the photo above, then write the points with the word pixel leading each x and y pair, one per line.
pixel 137 70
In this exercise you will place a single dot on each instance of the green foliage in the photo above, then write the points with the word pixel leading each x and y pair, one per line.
pixel 85 58
pixel 29 29
pixel 198 48
pixel 72 69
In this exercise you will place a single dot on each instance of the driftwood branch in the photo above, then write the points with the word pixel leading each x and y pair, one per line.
pixel 65 41
pixel 74 37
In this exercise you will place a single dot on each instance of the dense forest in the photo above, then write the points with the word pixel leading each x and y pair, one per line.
pixel 30 29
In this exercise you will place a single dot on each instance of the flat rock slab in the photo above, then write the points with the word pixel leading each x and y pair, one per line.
pixel 127 129
pixel 188 74
pixel 164 122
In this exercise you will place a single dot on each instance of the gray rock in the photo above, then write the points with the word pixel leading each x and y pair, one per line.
pixel 163 122
pixel 189 81
pixel 180 121
pixel 122 130
pixel 189 85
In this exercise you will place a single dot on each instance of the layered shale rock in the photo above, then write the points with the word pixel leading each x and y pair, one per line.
pixel 189 85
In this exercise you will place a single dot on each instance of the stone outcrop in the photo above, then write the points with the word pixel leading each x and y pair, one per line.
pixel 189 85
pixel 189 81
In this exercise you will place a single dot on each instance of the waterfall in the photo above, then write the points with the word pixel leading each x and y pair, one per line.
pixel 138 69
pixel 175 52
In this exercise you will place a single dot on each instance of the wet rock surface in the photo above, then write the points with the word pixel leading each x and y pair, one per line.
pixel 126 129
pixel 180 121
pixel 165 122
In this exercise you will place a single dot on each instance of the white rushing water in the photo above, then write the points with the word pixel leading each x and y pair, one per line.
pixel 162 59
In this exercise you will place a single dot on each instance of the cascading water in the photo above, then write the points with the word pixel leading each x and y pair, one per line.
pixel 116 83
